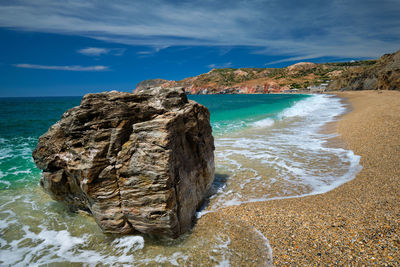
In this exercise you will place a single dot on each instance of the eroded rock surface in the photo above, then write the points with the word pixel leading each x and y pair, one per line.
pixel 147 84
pixel 138 162
pixel 383 75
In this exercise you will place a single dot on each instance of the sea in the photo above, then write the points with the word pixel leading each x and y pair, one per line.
pixel 266 147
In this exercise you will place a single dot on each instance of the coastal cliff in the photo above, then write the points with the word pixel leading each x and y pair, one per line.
pixel 355 75
pixel 137 162
pixel 383 75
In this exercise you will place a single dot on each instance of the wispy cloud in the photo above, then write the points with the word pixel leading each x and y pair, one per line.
pixel 293 28
pixel 118 51
pixel 223 65
pixel 93 51
pixel 152 51
pixel 147 52
pixel 98 51
pixel 66 68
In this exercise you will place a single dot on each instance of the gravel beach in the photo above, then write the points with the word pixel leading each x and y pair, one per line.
pixel 357 223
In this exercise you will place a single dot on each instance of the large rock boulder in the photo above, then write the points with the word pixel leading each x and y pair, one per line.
pixel 137 162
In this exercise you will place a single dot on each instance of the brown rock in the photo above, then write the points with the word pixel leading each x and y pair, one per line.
pixel 300 66
pixel 383 75
pixel 147 84
pixel 138 162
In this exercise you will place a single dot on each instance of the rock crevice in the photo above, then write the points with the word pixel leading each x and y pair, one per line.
pixel 138 162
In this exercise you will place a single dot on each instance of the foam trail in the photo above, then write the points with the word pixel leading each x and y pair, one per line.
pixel 267 245
pixel 264 123
pixel 306 106
pixel 280 156
pixel 289 158
pixel 129 243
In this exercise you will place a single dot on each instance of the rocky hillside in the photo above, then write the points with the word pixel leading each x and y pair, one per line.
pixel 368 74
pixel 150 83
pixel 383 75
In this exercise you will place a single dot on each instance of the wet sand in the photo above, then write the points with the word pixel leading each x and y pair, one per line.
pixel 356 223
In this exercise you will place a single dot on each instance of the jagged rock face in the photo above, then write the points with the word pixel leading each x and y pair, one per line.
pixel 147 84
pixel 138 162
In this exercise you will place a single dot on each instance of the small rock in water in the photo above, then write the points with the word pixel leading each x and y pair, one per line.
pixel 140 161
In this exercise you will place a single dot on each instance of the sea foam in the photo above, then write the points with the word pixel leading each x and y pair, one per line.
pixel 307 106
pixel 16 164
pixel 285 157
pixel 276 157
pixel 264 123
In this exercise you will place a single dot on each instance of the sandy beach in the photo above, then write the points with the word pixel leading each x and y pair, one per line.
pixel 356 223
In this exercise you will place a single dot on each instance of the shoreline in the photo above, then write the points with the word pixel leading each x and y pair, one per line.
pixel 357 222
pixel 327 138
pixel 354 220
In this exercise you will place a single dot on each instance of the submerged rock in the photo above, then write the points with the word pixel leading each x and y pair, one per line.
pixel 138 162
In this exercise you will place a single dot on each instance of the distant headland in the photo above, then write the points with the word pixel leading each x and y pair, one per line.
pixel 382 74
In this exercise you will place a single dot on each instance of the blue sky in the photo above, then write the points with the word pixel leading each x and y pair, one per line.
pixel 74 47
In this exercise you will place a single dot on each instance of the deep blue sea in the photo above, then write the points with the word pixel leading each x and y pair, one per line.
pixel 267 146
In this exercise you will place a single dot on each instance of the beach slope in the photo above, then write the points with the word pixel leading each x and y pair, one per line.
pixel 358 222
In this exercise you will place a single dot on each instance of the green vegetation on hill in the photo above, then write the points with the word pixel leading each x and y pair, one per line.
pixel 299 76
pixel 353 63
pixel 355 75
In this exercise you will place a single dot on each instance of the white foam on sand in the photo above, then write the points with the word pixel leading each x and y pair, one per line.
pixel 297 155
pixel 128 243
pixel 43 233
pixel 267 247
pixel 49 246
pixel 292 153
pixel 36 231
pixel 52 246
pixel 264 123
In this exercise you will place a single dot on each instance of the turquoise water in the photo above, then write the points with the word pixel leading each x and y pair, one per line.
pixel 23 120
pixel 267 146
pixel 235 112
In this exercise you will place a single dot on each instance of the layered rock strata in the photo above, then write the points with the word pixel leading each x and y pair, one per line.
pixel 137 162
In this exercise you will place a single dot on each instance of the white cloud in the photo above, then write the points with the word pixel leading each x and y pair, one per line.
pixel 98 51
pixel 93 51
pixel 220 66
pixel 66 68
pixel 294 28
pixel 145 52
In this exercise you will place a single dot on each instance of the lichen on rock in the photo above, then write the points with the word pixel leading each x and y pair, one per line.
pixel 140 161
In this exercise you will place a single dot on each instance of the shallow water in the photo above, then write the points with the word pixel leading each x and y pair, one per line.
pixel 266 147
pixel 288 156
